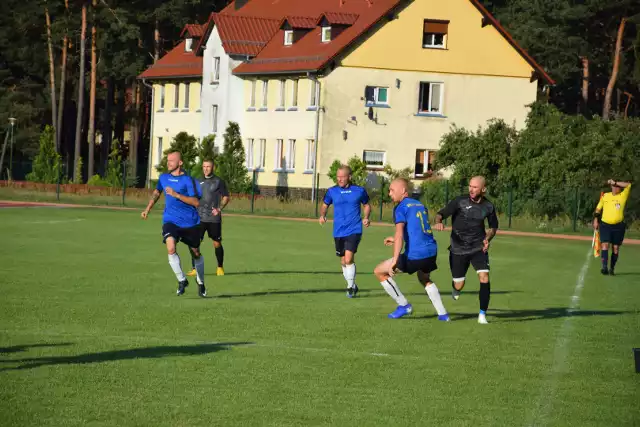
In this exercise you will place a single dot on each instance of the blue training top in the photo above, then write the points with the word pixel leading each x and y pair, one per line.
pixel 346 209
pixel 175 211
pixel 418 237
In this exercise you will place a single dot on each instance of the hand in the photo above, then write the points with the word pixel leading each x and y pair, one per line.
pixel 438 226
pixel 216 211
pixel 389 241
pixel 595 224
pixel 611 182
pixel 171 192
pixel 392 268
pixel 144 214
pixel 485 247
pixel 366 222
pixel 322 220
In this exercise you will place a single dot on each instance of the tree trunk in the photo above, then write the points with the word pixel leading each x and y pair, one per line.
pixel 83 36
pixel 107 132
pixel 63 83
pixel 585 85
pixel 92 96
pixel 52 76
pixel 156 44
pixel 606 110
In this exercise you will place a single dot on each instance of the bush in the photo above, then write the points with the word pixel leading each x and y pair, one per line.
pixel 358 171
pixel 97 181
pixel 47 164
pixel 187 145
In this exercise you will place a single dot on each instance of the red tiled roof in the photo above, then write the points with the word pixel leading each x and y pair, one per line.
pixel 194 30
pixel 336 18
pixel 176 63
pixel 305 22
pixel 244 35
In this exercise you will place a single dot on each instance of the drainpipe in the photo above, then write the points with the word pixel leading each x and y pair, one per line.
pixel 314 190
pixel 144 82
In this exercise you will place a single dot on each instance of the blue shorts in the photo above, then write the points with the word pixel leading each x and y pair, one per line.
pixel 612 233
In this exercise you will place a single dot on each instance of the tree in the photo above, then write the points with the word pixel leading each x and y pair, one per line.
pixel 187 146
pixel 206 151
pixel 92 94
pixel 63 80
pixel 52 74
pixel 77 169
pixel 358 170
pixel 48 163
pixel 231 163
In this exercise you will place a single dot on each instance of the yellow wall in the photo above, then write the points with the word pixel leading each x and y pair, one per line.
pixel 471 49
pixel 168 123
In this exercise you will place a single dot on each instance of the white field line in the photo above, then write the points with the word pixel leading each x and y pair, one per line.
pixel 61 221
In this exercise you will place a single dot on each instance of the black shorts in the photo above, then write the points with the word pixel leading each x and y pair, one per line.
pixel 612 233
pixel 410 266
pixel 189 236
pixel 213 229
pixel 348 243
pixel 460 264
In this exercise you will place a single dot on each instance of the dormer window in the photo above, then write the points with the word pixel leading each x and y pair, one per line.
pixel 326 34
pixel 188 46
pixel 288 37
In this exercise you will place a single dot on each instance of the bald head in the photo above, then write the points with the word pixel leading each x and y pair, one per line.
pixel 174 161
pixel 399 189
pixel 477 188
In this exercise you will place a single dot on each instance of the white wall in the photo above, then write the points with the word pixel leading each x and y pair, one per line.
pixel 227 93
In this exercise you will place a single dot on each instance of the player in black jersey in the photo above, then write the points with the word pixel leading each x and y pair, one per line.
pixel 469 239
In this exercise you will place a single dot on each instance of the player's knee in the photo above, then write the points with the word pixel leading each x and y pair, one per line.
pixel 616 249
pixel 217 244
pixel 424 279
pixel 605 246
pixel 484 277
pixel 171 250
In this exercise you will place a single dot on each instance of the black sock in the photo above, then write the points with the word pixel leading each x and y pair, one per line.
pixel 193 261
pixel 614 260
pixel 604 254
pixel 220 255
pixel 485 295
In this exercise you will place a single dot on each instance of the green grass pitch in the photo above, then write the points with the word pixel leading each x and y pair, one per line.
pixel 92 333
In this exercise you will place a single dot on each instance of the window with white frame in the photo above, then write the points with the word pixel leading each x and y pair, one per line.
pixel 188 45
pixel 215 70
pixel 313 97
pixel 280 156
pixel 250 153
pixel 288 37
pixel 326 34
pixel 186 95
pixel 294 93
pixel 252 100
pixel 291 155
pixel 262 153
pixel 214 118
pixel 373 159
pixel 431 98
pixel 435 34
pixel 162 96
pixel 283 84
pixel 424 163
pixel 376 95
pixel 176 96
pixel 310 158
pixel 159 152
pixel 265 92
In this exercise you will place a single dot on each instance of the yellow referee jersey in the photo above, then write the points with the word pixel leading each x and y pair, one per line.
pixel 612 206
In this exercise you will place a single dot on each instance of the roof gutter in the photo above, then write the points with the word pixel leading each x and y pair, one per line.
pixel 271 73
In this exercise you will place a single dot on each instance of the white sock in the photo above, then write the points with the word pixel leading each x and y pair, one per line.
pixel 434 296
pixel 350 275
pixel 174 262
pixel 199 262
pixel 392 289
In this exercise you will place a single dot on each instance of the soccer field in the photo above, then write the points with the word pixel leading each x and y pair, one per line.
pixel 92 333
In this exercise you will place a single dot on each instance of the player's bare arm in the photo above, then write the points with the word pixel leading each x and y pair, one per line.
pixel 323 214
pixel 492 219
pixel 389 241
pixel 621 184
pixel 367 213
pixel 191 201
pixel 155 196
pixel 438 226
pixel 398 241
pixel 596 218
pixel 223 204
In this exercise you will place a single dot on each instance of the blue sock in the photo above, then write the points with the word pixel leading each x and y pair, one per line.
pixel 483 312
pixel 604 254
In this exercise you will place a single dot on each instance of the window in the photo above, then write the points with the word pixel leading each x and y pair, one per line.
pixel 280 158
pixel 282 94
pixel 188 45
pixel 326 34
pixel 250 154
pixel 214 118
pixel 424 163
pixel 186 96
pixel 159 152
pixel 431 96
pixel 294 93
pixel 290 160
pixel 310 158
pixel 435 34
pixel 265 92
pixel 313 99
pixel 373 159
pixel 288 37
pixel 162 92
pixel 262 152
pixel 375 95
pixel 252 101
pixel 215 71
pixel 176 96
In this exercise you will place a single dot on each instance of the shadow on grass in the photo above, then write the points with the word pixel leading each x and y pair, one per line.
pixel 442 293
pixel 129 354
pixel 25 347
pixel 529 315
pixel 291 292
pixel 243 273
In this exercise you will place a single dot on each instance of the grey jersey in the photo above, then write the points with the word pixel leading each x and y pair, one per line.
pixel 213 190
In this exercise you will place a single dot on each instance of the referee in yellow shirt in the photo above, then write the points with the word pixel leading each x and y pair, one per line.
pixel 609 216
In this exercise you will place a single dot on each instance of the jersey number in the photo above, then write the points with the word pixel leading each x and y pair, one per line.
pixel 423 222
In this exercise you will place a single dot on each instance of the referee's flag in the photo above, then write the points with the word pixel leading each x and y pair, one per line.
pixel 595 243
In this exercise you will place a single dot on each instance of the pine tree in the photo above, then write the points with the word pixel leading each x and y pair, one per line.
pixel 206 151
pixel 231 163
pixel 48 163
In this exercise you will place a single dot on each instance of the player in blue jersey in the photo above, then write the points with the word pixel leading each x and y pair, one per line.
pixel 346 199
pixel 180 221
pixel 420 251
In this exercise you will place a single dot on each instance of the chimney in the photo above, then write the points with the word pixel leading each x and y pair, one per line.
pixel 240 3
